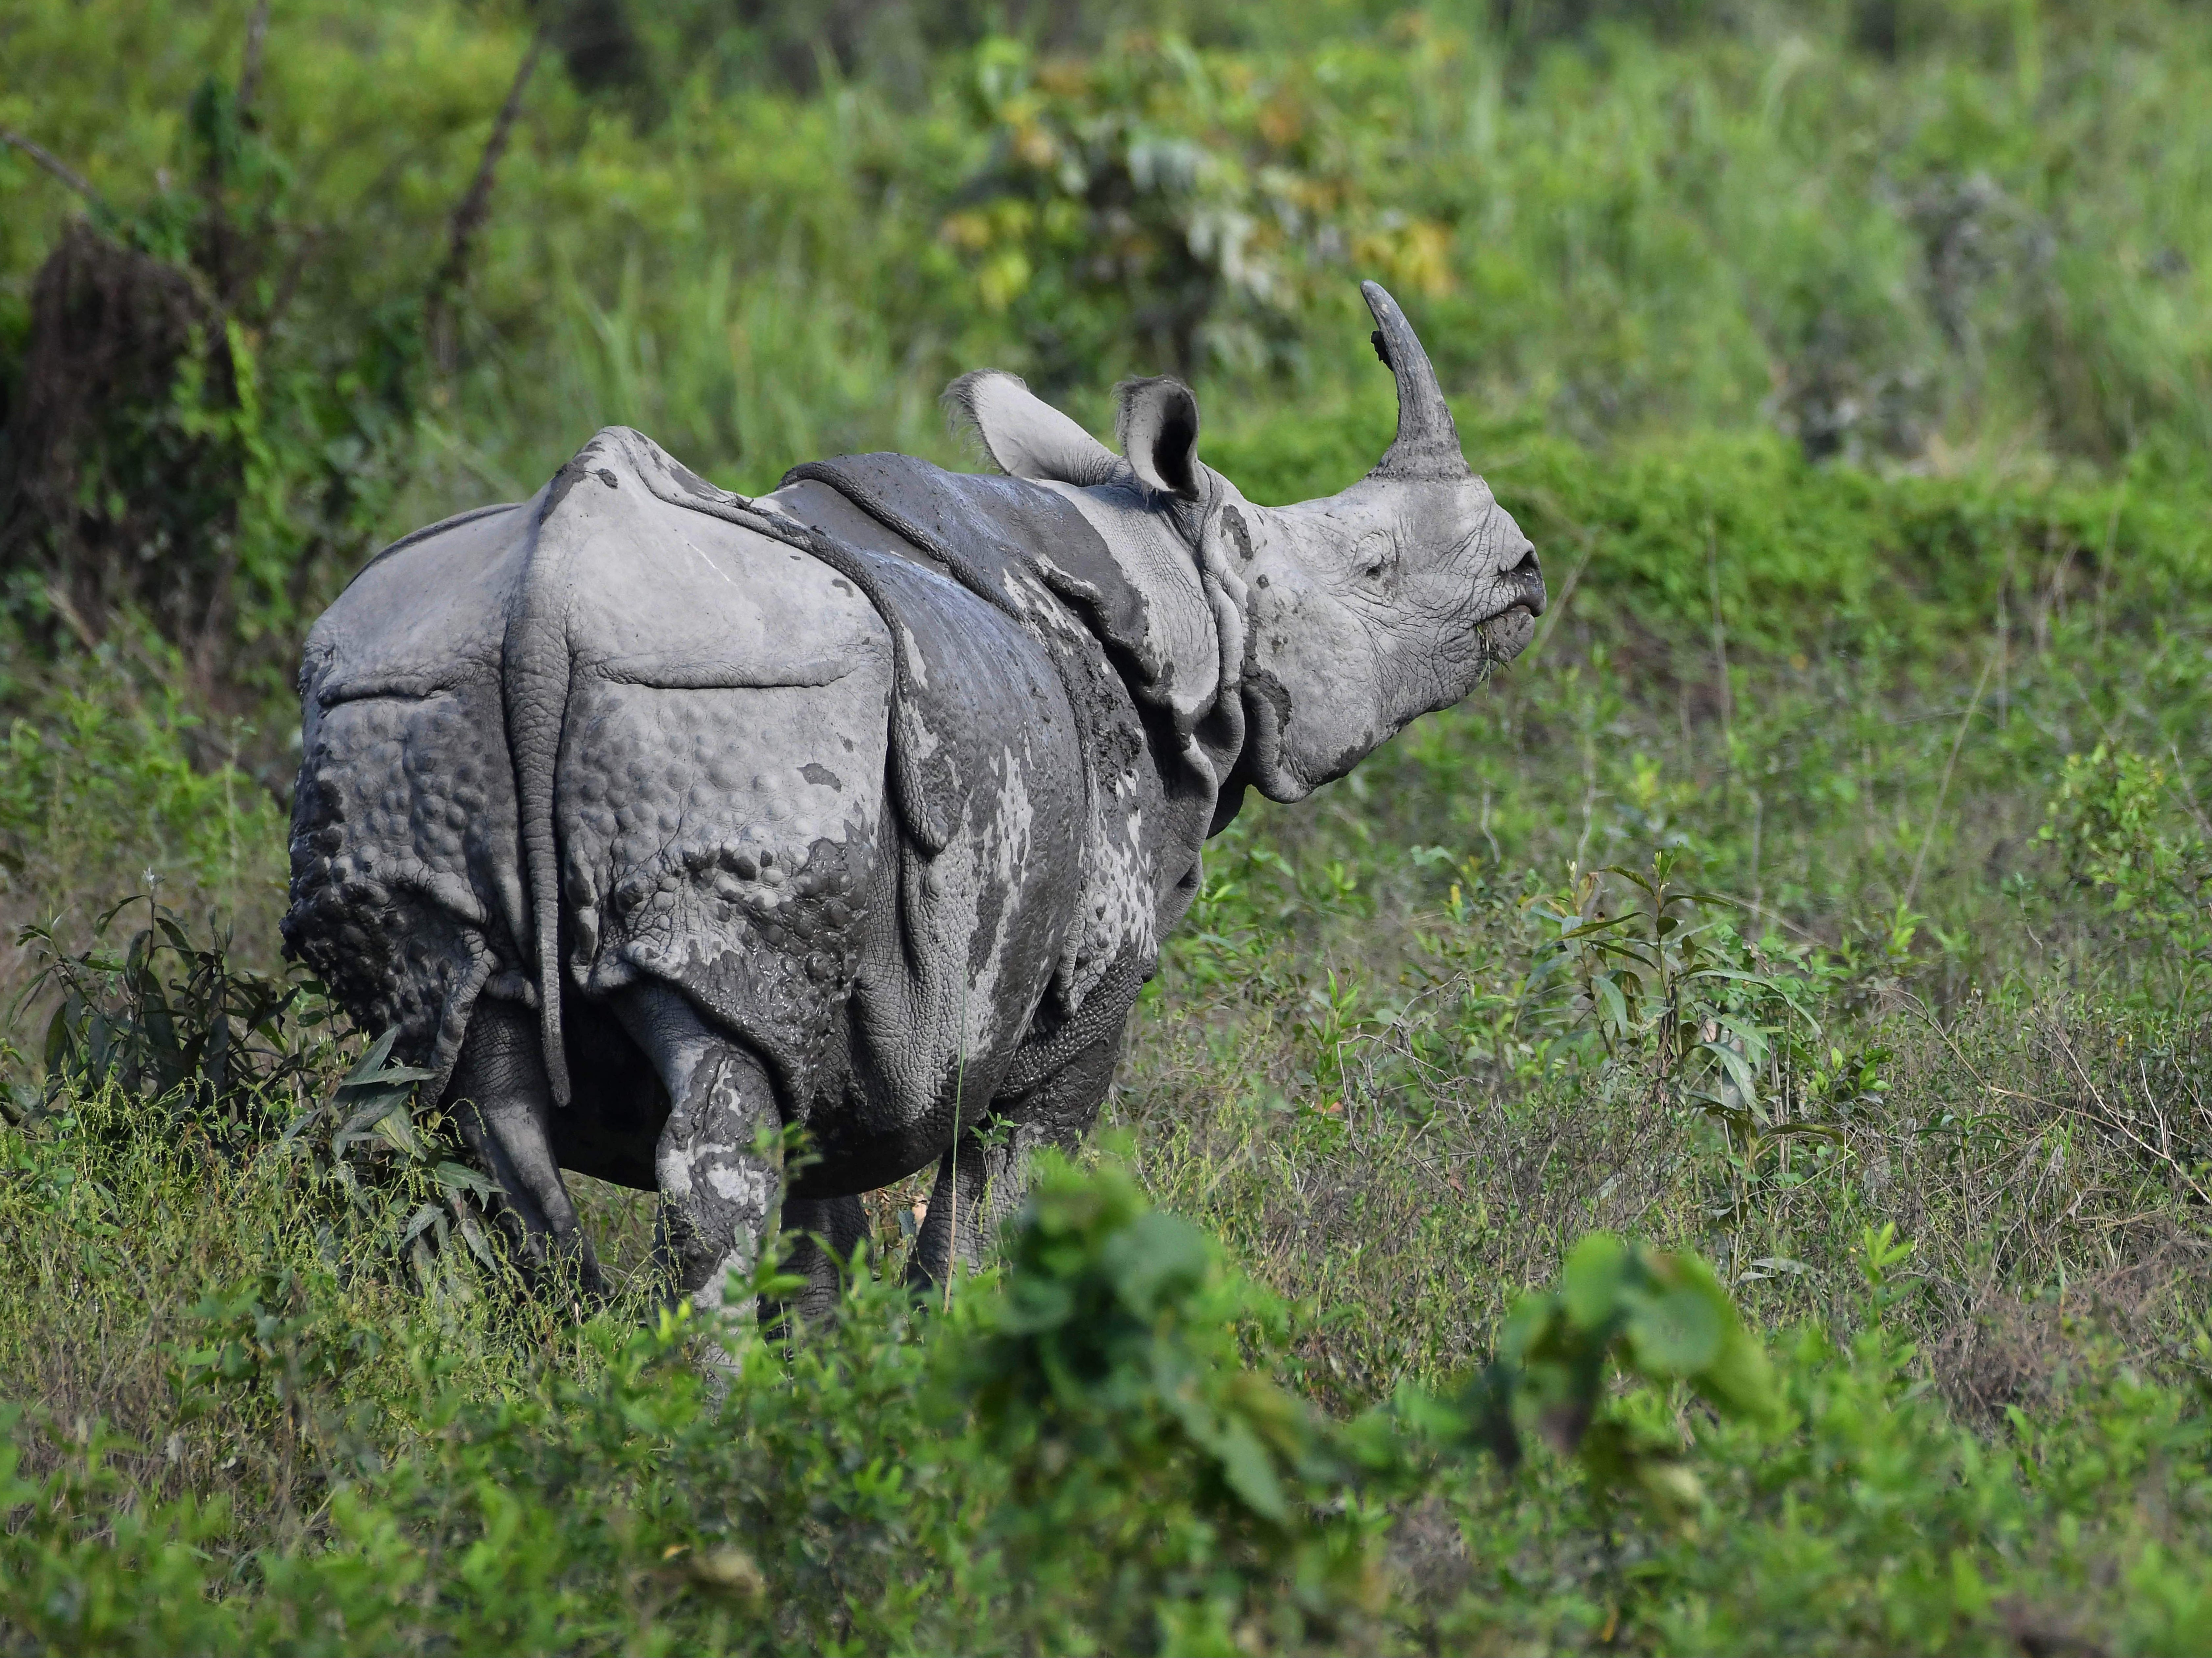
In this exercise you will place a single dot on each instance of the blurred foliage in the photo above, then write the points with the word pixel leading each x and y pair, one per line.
pixel 1160 205
pixel 1661 1316
pixel 1934 234
pixel 153 459
pixel 1165 1492
pixel 346 1465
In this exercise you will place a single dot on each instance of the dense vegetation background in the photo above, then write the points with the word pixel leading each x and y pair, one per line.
pixel 1821 898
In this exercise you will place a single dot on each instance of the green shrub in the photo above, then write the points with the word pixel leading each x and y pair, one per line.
pixel 1084 1458
pixel 168 1024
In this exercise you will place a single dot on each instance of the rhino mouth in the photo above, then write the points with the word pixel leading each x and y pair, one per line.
pixel 1506 631
pixel 1506 634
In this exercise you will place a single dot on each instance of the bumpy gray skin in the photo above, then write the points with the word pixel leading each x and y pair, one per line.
pixel 658 820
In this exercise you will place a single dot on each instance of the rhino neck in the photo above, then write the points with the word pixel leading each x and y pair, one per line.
pixel 1169 642
pixel 1307 674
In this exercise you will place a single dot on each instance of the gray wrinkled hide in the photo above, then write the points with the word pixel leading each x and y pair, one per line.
pixel 658 820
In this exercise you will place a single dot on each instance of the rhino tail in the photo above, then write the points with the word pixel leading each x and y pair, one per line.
pixel 534 679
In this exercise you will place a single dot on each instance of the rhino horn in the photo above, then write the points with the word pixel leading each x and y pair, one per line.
pixel 1426 449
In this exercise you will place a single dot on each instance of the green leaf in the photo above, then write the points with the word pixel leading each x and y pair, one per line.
pixel 1153 1259
pixel 1591 1288
pixel 1765 982
pixel 372 1061
pixel 1609 993
pixel 1740 1379
pixel 1588 928
pixel 378 1105
pixel 458 1177
pixel 479 1246
pixel 1034 1305
pixel 394 1128
pixel 1250 1472
pixel 1679 1334
pixel 1738 1070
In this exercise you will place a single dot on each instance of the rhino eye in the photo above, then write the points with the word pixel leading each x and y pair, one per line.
pixel 1374 556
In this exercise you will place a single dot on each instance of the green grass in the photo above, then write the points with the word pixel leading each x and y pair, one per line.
pixel 1909 737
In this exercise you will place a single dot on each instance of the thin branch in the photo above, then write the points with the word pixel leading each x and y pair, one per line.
pixel 249 76
pixel 1944 787
pixel 1720 659
pixel 54 164
pixel 1936 1025
pixel 1777 916
pixel 2111 1119
pixel 2187 790
pixel 476 206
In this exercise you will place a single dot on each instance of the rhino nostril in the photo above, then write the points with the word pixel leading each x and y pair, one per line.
pixel 1528 576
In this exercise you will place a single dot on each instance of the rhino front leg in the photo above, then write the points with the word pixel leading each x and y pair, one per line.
pixel 979 1182
pixel 986 1176
pixel 718 1163
pixel 500 1102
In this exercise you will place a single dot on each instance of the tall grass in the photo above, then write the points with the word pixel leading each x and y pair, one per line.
pixel 1991 247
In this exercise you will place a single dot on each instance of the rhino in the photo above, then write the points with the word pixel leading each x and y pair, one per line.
pixel 657 820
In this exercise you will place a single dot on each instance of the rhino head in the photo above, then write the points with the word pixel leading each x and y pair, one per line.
pixel 1339 620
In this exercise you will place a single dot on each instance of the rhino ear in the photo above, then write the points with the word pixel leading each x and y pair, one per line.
pixel 1157 429
pixel 1026 436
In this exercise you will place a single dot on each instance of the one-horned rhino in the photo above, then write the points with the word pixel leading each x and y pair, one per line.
pixel 656 819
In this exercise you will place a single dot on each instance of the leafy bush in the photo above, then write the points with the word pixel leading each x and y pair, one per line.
pixel 1163 1495
pixel 1664 1317
pixel 169 1025
pixel 1081 1456
pixel 1160 207
pixel 2115 825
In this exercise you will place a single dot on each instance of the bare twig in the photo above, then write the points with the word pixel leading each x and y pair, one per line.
pixel 2187 790
pixel 1758 828
pixel 476 205
pixel 1935 1024
pixel 1720 660
pixel 71 617
pixel 1758 908
pixel 2113 1119
pixel 249 75
pixel 1943 789
pixel 54 165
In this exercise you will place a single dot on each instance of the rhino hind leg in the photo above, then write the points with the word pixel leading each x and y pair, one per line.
pixel 823 1233
pixel 719 1161
pixel 500 1103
